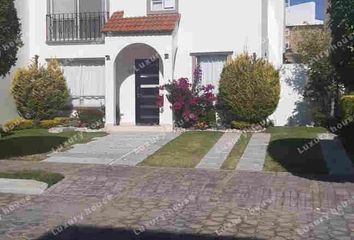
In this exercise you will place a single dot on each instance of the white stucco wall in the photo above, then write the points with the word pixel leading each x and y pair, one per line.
pixel 301 14
pixel 292 108
pixel 276 27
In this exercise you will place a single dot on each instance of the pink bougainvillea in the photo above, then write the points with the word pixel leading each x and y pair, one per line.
pixel 192 103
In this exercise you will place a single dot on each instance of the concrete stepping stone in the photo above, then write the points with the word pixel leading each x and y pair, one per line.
pixel 125 148
pixel 22 186
pixel 336 158
pixel 219 152
pixel 254 156
pixel 139 154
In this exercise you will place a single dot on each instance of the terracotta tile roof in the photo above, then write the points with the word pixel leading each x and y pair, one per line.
pixel 151 23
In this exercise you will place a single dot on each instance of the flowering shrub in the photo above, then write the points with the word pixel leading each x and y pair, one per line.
pixel 192 103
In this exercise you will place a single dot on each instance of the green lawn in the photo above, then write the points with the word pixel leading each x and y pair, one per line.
pixel 35 144
pixel 186 151
pixel 284 155
pixel 234 157
pixel 42 176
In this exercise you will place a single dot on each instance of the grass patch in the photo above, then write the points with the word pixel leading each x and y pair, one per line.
pixel 235 155
pixel 186 151
pixel 35 144
pixel 42 176
pixel 283 151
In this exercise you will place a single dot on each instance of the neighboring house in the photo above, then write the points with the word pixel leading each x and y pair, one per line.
pixel 300 16
pixel 115 53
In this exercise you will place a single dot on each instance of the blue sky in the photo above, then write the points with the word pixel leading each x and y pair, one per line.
pixel 319 6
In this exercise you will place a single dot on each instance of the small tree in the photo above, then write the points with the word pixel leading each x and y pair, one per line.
pixel 249 90
pixel 342 31
pixel 39 91
pixel 10 36
pixel 322 90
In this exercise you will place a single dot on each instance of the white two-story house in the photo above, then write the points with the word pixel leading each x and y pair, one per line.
pixel 115 53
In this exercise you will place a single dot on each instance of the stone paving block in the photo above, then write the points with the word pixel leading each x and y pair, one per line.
pixel 219 152
pixel 115 149
pixel 22 186
pixel 81 160
pixel 142 194
pixel 254 156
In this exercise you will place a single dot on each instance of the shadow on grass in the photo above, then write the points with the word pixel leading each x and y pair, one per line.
pixel 23 146
pixel 94 233
pixel 299 158
pixel 296 155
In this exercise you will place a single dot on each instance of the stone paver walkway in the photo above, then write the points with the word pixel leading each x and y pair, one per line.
pixel 110 202
pixel 254 156
pixel 219 152
pixel 337 160
pixel 22 186
pixel 119 148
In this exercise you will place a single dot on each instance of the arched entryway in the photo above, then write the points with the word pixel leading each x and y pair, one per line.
pixel 138 74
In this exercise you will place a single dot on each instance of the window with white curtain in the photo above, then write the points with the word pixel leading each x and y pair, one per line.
pixel 85 78
pixel 75 6
pixel 211 67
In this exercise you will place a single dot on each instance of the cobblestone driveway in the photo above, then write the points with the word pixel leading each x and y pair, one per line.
pixel 110 202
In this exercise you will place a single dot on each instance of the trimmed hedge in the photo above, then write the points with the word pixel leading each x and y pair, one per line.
pixel 240 125
pixel 21 124
pixel 53 122
pixel 249 90
pixel 92 118
pixel 18 124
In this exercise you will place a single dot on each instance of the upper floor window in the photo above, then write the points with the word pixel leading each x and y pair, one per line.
pixel 76 20
pixel 162 6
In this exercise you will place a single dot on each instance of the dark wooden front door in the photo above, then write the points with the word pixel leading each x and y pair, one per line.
pixel 147 91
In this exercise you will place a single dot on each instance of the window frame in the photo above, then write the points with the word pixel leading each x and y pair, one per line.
pixel 104 3
pixel 196 55
pixel 74 35
pixel 163 10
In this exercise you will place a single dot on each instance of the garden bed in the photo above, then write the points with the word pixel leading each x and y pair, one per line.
pixel 186 151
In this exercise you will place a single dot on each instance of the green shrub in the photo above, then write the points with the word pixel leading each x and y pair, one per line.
pixel 347 132
pixel 209 118
pixel 249 90
pixel 53 122
pixel 10 36
pixel 240 125
pixel 18 124
pixel 39 91
pixel 347 106
pixel 92 118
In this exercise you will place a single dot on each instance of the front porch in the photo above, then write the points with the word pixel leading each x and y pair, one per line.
pixel 137 63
